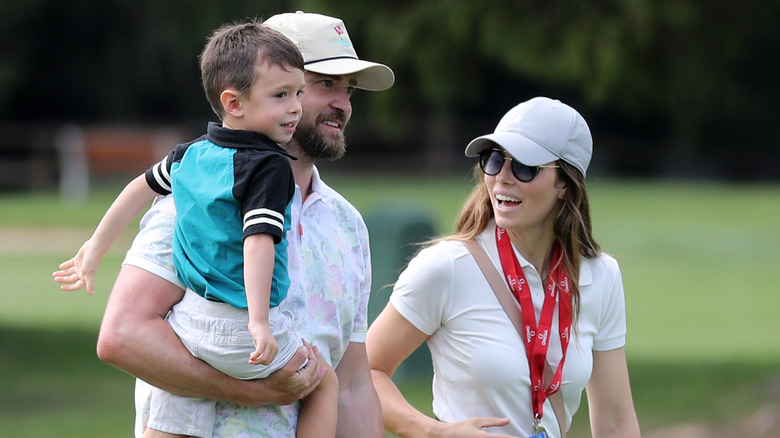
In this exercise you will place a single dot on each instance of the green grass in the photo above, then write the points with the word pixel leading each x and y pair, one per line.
pixel 54 385
pixel 698 262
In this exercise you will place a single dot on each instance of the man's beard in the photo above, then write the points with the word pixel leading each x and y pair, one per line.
pixel 317 145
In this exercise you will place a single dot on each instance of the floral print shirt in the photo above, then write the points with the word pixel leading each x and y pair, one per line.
pixel 330 274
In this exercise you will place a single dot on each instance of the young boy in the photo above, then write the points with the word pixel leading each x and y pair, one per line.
pixel 232 190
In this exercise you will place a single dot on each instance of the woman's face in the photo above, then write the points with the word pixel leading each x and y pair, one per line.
pixel 525 206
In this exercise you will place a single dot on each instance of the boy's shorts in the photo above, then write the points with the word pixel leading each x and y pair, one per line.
pixel 216 333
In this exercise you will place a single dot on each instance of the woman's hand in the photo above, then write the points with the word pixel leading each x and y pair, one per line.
pixel 473 428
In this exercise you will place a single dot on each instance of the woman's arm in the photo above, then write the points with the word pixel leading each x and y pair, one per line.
pixel 391 339
pixel 610 402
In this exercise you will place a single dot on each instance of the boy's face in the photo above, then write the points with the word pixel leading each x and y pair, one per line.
pixel 273 105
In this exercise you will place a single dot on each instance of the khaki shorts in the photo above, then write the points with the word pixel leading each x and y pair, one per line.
pixel 216 333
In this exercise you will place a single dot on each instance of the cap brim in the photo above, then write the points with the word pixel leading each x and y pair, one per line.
pixel 371 76
pixel 519 147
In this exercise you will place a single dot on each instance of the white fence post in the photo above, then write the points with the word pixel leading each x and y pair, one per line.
pixel 74 171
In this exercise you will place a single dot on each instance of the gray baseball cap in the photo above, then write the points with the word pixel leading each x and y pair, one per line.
pixel 539 131
pixel 327 49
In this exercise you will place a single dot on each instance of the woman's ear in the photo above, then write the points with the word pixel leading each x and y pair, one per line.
pixel 231 102
pixel 561 185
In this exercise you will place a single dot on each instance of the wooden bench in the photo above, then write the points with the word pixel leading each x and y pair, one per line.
pixel 103 152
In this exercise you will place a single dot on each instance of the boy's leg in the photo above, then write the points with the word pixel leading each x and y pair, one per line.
pixel 319 410
pixel 171 415
pixel 151 433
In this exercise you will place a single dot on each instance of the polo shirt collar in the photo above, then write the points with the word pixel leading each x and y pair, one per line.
pixel 586 276
pixel 241 139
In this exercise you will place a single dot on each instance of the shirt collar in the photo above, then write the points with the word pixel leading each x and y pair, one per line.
pixel 488 235
pixel 241 139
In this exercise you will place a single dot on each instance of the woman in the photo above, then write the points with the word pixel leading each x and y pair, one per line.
pixel 531 189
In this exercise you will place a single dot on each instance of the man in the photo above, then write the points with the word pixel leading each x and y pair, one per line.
pixel 329 271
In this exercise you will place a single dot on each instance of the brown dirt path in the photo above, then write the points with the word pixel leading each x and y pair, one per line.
pixel 21 240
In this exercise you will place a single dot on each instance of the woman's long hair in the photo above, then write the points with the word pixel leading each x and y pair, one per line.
pixel 572 227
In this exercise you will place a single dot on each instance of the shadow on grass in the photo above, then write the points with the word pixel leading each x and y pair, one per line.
pixel 668 393
pixel 53 384
pixel 709 392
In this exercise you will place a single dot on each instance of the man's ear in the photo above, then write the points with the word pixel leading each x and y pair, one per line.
pixel 231 102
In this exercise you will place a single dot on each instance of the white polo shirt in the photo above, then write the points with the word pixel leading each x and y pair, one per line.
pixel 479 360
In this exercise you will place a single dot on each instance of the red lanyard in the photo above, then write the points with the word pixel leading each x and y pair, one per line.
pixel 537 337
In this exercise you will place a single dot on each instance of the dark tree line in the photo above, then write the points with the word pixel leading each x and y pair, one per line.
pixel 670 86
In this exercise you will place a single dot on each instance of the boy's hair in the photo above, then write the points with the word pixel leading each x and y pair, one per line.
pixel 231 54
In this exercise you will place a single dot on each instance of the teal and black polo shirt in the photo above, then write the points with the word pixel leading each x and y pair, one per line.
pixel 226 185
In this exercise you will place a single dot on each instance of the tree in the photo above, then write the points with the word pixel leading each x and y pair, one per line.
pixel 108 61
pixel 696 79
pixel 683 64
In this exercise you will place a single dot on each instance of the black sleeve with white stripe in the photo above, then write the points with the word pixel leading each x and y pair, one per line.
pixel 159 176
pixel 264 185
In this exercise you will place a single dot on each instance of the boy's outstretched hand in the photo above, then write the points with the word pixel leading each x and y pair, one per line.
pixel 79 271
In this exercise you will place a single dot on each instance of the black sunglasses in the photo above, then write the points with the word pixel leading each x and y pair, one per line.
pixel 492 160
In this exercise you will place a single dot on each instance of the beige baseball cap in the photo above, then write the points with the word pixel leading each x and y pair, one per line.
pixel 327 49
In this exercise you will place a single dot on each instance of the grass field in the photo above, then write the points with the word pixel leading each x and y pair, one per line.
pixel 698 262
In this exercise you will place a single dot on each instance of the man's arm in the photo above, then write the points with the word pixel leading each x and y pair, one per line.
pixel 135 337
pixel 360 414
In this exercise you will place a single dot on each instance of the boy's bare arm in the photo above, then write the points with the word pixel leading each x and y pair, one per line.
pixel 80 270
pixel 259 259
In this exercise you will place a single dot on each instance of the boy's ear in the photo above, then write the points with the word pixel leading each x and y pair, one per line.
pixel 231 102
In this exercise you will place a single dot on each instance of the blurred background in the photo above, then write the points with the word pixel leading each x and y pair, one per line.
pixel 678 88
pixel 681 97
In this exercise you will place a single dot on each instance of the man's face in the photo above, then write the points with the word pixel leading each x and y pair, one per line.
pixel 326 111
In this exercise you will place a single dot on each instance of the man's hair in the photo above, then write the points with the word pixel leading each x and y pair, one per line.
pixel 232 53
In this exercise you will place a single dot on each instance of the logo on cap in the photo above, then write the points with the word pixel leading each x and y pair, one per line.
pixel 340 31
